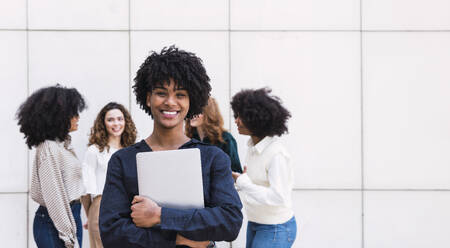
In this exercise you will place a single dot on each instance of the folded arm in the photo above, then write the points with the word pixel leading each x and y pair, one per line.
pixel 277 193
pixel 116 226
pixel 220 220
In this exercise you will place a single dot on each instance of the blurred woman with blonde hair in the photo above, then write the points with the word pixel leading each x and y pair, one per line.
pixel 208 128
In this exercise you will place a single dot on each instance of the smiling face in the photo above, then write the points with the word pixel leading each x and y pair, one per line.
pixel 114 122
pixel 169 105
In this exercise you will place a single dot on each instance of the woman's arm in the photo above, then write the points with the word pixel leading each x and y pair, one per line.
pixel 116 226
pixel 86 202
pixel 221 219
pixel 55 195
pixel 279 190
pixel 89 170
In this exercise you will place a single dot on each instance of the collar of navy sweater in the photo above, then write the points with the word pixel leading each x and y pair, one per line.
pixel 142 145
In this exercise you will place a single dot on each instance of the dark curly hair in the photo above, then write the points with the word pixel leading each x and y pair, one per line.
pixel 185 68
pixel 262 114
pixel 99 134
pixel 46 114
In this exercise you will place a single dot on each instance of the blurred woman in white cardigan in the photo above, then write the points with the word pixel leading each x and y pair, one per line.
pixel 267 181
pixel 113 129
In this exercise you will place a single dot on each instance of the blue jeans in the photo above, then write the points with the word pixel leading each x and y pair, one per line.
pixel 44 231
pixel 273 236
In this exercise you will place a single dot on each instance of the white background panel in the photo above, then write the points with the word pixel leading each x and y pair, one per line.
pixel 406 219
pixel 12 231
pixel 96 63
pixel 78 14
pixel 179 14
pixel 317 77
pixel 13 75
pixel 406 106
pixel 406 14
pixel 292 14
pixel 13 14
pixel 211 47
pixel 324 219
pixel 328 219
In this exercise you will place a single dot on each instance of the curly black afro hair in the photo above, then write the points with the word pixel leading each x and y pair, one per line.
pixel 262 114
pixel 46 114
pixel 185 68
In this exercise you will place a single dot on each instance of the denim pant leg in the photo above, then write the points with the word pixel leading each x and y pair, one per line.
pixel 45 233
pixel 250 234
pixel 76 212
pixel 273 236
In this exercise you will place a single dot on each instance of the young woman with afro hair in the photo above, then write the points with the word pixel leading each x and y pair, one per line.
pixel 171 86
pixel 46 118
pixel 267 181
pixel 113 129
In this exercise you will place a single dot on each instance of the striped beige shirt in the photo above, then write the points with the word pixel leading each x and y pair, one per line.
pixel 56 181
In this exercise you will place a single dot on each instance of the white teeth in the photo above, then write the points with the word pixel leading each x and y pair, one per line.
pixel 169 112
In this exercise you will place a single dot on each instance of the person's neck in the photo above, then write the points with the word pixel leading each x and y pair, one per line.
pixel 114 142
pixel 255 139
pixel 201 133
pixel 166 139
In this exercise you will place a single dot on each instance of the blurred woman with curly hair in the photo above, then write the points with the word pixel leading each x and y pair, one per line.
pixel 113 129
pixel 208 127
pixel 46 118
pixel 267 184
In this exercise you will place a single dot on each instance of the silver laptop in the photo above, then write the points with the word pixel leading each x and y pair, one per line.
pixel 171 178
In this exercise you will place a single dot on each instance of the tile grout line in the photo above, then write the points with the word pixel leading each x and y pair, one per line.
pixel 229 76
pixel 129 56
pixel 311 189
pixel 28 93
pixel 362 119
pixel 229 65
pixel 237 30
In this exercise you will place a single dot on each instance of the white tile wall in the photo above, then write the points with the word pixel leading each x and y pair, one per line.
pixel 13 75
pixel 406 219
pixel 324 219
pixel 317 75
pixel 179 14
pixel 292 14
pixel 78 14
pixel 211 47
pixel 406 14
pixel 13 14
pixel 12 231
pixel 96 63
pixel 406 103
pixel 328 219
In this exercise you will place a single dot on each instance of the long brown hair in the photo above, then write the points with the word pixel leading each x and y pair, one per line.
pixel 99 135
pixel 212 123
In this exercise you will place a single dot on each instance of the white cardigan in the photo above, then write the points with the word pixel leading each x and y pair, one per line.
pixel 267 186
